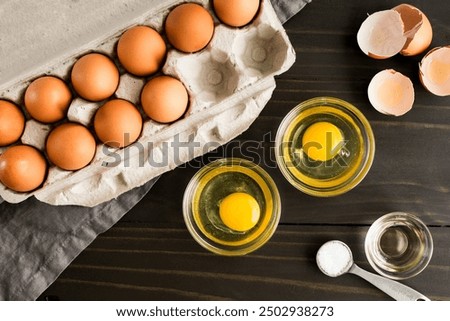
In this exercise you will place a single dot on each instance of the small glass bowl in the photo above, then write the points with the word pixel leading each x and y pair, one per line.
pixel 399 245
pixel 338 174
pixel 210 185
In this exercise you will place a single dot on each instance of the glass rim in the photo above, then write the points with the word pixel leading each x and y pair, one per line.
pixel 218 248
pixel 374 229
pixel 364 165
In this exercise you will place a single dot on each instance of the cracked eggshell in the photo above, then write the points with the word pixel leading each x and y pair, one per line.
pixel 391 93
pixel 434 71
pixel 381 35
pixel 403 29
pixel 417 30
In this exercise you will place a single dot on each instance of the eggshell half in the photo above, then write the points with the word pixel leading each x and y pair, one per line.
pixel 391 93
pixel 381 35
pixel 417 29
pixel 434 71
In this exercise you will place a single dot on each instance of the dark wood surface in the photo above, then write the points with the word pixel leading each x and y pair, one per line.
pixel 149 254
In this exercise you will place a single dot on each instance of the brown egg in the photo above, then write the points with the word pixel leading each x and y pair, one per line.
pixel 70 146
pixel 189 27
pixel 118 123
pixel 12 123
pixel 22 168
pixel 236 13
pixel 95 77
pixel 164 99
pixel 141 50
pixel 47 99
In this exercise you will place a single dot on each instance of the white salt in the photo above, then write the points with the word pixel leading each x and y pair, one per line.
pixel 334 258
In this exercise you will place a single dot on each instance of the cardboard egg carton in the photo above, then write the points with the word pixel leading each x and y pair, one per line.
pixel 229 83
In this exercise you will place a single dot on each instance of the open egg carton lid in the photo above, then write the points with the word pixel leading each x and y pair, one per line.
pixel 229 83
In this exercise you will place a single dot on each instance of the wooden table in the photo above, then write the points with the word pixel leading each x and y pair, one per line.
pixel 149 254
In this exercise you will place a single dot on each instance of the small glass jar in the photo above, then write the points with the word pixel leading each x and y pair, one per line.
pixel 214 182
pixel 338 172
pixel 398 245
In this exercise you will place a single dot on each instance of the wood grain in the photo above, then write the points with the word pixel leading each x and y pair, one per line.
pixel 145 262
pixel 150 255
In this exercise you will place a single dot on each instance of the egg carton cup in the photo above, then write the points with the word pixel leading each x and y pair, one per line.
pixel 230 82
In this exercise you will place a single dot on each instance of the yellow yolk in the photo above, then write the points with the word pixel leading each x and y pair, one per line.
pixel 322 141
pixel 239 211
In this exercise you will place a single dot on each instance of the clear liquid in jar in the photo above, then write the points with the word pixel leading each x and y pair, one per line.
pixel 401 247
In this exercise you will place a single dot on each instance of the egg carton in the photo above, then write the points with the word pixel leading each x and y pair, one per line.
pixel 229 83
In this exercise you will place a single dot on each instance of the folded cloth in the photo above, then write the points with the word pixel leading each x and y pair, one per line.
pixel 287 9
pixel 37 242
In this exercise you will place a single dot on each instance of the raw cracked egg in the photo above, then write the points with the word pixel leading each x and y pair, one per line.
pixel 70 146
pixel 239 211
pixel 236 13
pixel 322 141
pixel 141 50
pixel 22 168
pixel 12 123
pixel 189 27
pixel 391 93
pixel 118 123
pixel 164 99
pixel 434 71
pixel 47 99
pixel 403 29
pixel 95 77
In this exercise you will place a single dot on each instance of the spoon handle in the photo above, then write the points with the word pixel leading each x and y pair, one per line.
pixel 394 289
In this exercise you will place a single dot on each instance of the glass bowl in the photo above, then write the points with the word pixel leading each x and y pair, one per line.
pixel 398 245
pixel 344 166
pixel 210 185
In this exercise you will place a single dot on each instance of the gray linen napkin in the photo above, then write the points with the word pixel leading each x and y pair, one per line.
pixel 38 241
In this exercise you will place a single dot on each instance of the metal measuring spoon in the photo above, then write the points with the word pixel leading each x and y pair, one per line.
pixel 335 258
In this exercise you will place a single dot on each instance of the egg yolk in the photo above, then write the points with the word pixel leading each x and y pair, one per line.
pixel 322 141
pixel 239 211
